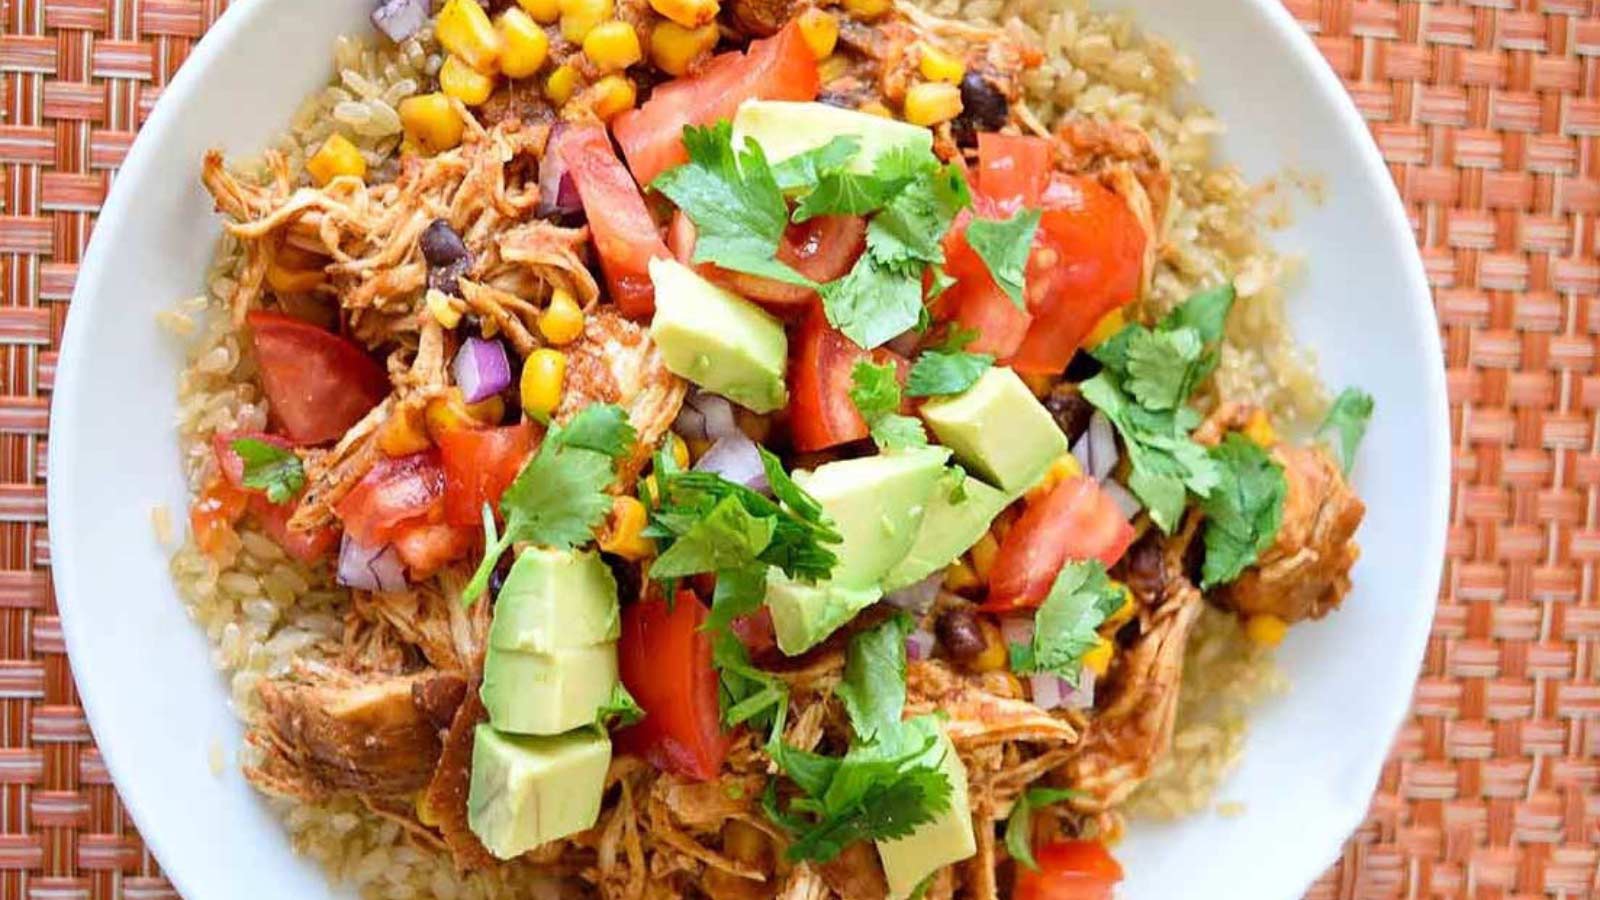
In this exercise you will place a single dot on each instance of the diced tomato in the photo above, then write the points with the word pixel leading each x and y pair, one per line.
pixel 781 67
pixel 821 373
pixel 306 546
pixel 625 236
pixel 1069 870
pixel 822 249
pixel 665 659
pixel 317 383
pixel 1012 170
pixel 425 549
pixel 395 495
pixel 230 463
pixel 975 300
pixel 479 464
pixel 1075 521
pixel 213 514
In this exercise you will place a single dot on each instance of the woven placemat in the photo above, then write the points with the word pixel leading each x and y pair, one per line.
pixel 1488 113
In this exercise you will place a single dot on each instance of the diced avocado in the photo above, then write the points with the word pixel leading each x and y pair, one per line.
pixel 527 791
pixel 949 528
pixel 877 504
pixel 998 429
pixel 785 128
pixel 554 599
pixel 547 693
pixel 717 339
pixel 804 614
pixel 933 845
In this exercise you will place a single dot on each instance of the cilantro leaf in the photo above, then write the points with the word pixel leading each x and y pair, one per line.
pixel 1166 462
pixel 875 390
pixel 746 694
pixel 1244 513
pixel 268 467
pixel 873 302
pixel 1019 825
pixel 844 193
pixel 1064 628
pixel 620 710
pixel 1163 366
pixel 874 685
pixel 910 228
pixel 603 428
pixel 937 372
pixel 1004 245
pixel 1206 312
pixel 726 537
pixel 1345 425
pixel 805 170
pixel 897 432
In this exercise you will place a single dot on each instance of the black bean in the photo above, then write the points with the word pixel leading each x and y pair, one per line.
pixel 441 246
pixel 958 630
pixel 502 569
pixel 443 278
pixel 1144 569
pixel 630 580
pixel 1070 410
pixel 983 107
pixel 1082 367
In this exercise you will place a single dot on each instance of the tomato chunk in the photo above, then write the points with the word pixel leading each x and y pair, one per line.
pixel 1075 521
pixel 425 549
pixel 213 514
pixel 822 249
pixel 1069 870
pixel 479 464
pixel 307 546
pixel 665 660
pixel 781 67
pixel 1013 170
pixel 625 236
pixel 395 495
pixel 317 383
pixel 821 373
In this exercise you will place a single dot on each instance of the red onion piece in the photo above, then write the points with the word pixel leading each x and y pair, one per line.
pixel 1081 695
pixel 717 412
pixel 481 369
pixel 690 424
pixel 1048 691
pixel 558 193
pixel 735 458
pixel 917 598
pixel 919 644
pixel 1102 446
pixel 1122 497
pixel 905 343
pixel 369 568
pixel 400 19
pixel 1082 453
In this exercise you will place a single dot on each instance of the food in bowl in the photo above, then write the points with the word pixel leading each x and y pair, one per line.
pixel 763 450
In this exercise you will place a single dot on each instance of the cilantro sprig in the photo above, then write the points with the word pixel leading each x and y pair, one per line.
pixel 1019 825
pixel 620 709
pixel 270 468
pixel 875 390
pixel 948 368
pixel 1245 511
pixel 1345 425
pixel 1065 626
pixel 1004 245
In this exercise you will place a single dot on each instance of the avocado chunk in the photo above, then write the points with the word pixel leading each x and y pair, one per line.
pixel 717 339
pixel 555 599
pixel 547 693
pixel 785 128
pixel 876 502
pixel 804 614
pixel 527 791
pixel 935 844
pixel 999 430
pixel 949 528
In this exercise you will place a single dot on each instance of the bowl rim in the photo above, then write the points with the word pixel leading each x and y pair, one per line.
pixel 118 209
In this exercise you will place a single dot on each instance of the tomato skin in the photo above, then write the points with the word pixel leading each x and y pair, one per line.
pixel 394 495
pixel 821 373
pixel 317 383
pixel 1013 170
pixel 1069 870
pixel 213 514
pixel 1075 521
pixel 781 67
pixel 425 549
pixel 231 464
pixel 665 660
pixel 309 547
pixel 479 464
pixel 822 249
pixel 624 233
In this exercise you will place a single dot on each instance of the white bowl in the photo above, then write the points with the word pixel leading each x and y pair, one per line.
pixel 158 708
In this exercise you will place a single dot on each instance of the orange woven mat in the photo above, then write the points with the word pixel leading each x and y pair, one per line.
pixel 1488 112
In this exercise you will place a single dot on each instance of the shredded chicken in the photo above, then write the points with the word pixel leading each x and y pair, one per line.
pixel 616 362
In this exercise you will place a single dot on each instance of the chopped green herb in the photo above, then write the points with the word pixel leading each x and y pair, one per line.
pixel 1164 366
pixel 1244 512
pixel 620 710
pixel 270 468
pixel 938 373
pixel 874 685
pixel 1064 628
pixel 1167 463
pixel 875 390
pixel 1004 245
pixel 805 170
pixel 1019 825
pixel 1345 425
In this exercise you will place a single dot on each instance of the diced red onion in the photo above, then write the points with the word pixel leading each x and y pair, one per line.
pixel 1081 452
pixel 1102 446
pixel 919 644
pixel 370 569
pixel 1122 497
pixel 690 424
pixel 735 458
pixel 481 369
pixel 400 19
pixel 717 412
pixel 1017 630
pixel 1048 691
pixel 1081 695
pixel 905 343
pixel 917 598
pixel 558 193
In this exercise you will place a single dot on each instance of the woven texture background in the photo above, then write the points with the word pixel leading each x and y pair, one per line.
pixel 1488 113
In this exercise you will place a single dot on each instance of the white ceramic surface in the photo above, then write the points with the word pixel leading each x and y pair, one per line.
pixel 157 707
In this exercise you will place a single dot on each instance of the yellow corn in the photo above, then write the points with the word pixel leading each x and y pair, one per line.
pixel 832 69
pixel 612 46
pixel 451 412
pixel 867 9
pixel 542 375
pixel 523 44
pixel 1109 324
pixel 1124 612
pixel 1065 466
pixel 337 156
pixel 1265 629
pixel 579 17
pixel 1259 429
pixel 562 320
pixel 614 94
pixel 688 13
pixel 820 30
pixel 674 48
pixel 464 29
pixel 431 122
pixel 1039 382
pixel 1098 657
pixel 983 555
pixel 958 577
pixel 874 108
pixel 409 147
pixel 404 433
pixel 937 65
pixel 624 533
pixel 558 88
pixel 443 310
pixel 286 280
pixel 545 12
pixel 994 655
pixel 932 102
pixel 698 447
pixel 425 810
pixel 463 82
pixel 680 450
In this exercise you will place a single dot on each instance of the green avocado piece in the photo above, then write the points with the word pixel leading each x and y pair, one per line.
pixel 999 430
pixel 527 791
pixel 877 503
pixel 717 339
pixel 786 128
pixel 803 614
pixel 949 528
pixel 945 840
pixel 547 693
pixel 555 599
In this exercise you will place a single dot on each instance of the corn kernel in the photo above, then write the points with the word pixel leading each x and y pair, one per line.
pixel 464 29
pixel 425 810
pixel 523 44
pixel 680 450
pixel 674 48
pixel 688 13
pixel 404 433
pixel 579 17
pixel 867 9
pixel 698 447
pixel 623 534
pixel 1265 629
pixel 983 555
pixel 958 577
pixel 1098 658
pixel 1109 324
pixel 442 308
pixel 614 94
pixel 463 82
pixel 1124 612
pixel 337 156
pixel 542 375
pixel 833 68
pixel 820 30
pixel 561 84
pixel 874 108
pixel 489 411
pixel 449 412
pixel 545 12
pixel 612 46
pixel 431 122
pixel 932 102
pixel 1259 429
pixel 937 65
pixel 285 280
pixel 562 321
pixel 409 147
pixel 994 655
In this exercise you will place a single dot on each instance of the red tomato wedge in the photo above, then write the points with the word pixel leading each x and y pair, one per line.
pixel 317 383
pixel 425 549
pixel 230 463
pixel 975 301
pixel 1075 521
pixel 625 235
pixel 821 373
pixel 1012 170
pixel 395 495
pixel 781 67
pixel 306 546
pixel 822 249
pixel 1069 870
pixel 479 464
pixel 213 514
pixel 665 660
